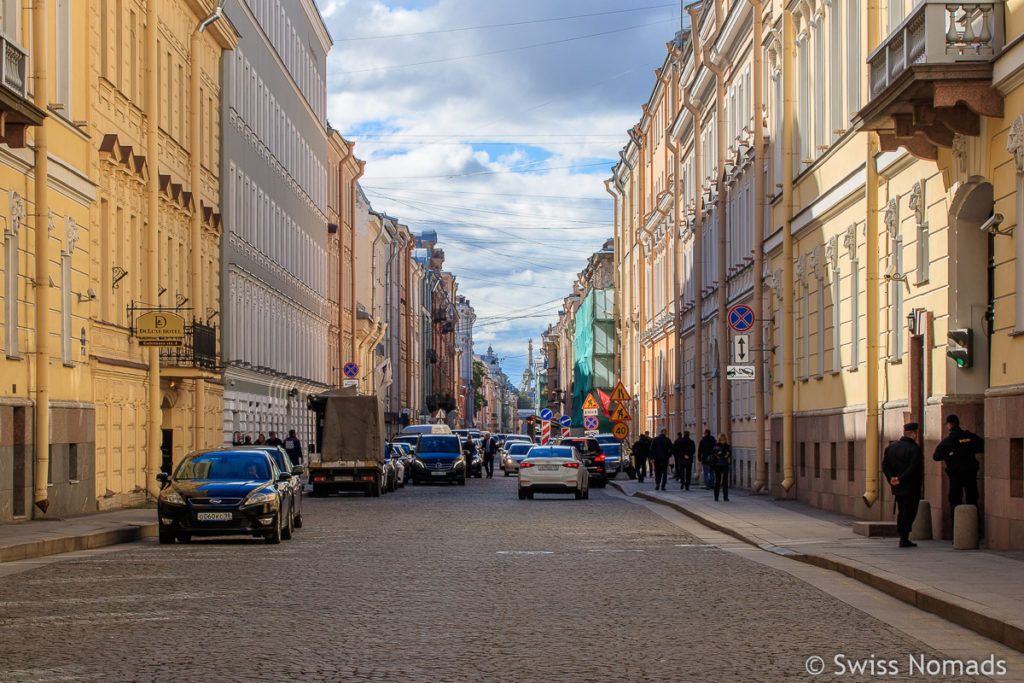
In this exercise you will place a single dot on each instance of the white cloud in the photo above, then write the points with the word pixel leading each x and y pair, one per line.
pixel 502 150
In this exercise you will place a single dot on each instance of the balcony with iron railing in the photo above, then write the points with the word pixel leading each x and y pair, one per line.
pixel 17 113
pixel 199 349
pixel 931 78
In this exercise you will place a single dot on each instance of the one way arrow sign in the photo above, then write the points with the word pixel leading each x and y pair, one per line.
pixel 741 348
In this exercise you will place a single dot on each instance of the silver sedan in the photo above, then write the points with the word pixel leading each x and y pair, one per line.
pixel 514 455
pixel 553 469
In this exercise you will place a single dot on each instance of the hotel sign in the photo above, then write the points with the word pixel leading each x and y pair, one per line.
pixel 160 328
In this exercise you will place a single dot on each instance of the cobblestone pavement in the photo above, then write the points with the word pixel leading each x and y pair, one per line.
pixel 443 583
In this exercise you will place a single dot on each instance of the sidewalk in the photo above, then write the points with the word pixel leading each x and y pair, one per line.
pixel 977 589
pixel 36 538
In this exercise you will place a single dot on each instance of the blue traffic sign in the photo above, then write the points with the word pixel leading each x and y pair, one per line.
pixel 565 421
pixel 741 318
pixel 590 422
pixel 351 370
pixel 546 414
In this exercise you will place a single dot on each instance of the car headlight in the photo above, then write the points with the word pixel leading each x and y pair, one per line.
pixel 172 497
pixel 260 498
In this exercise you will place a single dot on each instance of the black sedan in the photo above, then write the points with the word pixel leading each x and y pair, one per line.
pixel 284 463
pixel 224 492
pixel 593 457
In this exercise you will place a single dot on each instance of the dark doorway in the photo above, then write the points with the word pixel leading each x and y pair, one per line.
pixel 20 455
pixel 166 450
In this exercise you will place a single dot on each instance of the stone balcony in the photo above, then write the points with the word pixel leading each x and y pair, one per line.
pixel 931 78
pixel 17 113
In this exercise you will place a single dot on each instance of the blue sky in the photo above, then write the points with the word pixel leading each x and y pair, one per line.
pixel 496 123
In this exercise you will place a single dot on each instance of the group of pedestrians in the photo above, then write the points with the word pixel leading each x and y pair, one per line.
pixel 290 443
pixel 655 454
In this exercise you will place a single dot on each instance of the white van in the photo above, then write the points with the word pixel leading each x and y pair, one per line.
pixel 427 429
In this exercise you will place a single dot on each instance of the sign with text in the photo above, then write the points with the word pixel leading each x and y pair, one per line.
pixel 620 430
pixel 159 328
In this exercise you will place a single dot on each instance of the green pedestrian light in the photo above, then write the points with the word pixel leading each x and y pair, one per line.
pixel 960 347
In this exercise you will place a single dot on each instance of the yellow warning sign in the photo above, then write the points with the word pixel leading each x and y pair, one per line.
pixel 590 402
pixel 620 430
pixel 620 393
pixel 620 414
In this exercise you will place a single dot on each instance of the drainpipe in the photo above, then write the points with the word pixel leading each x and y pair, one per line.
pixel 759 193
pixel 698 234
pixel 341 252
pixel 788 476
pixel 155 417
pixel 871 286
pixel 724 388
pixel 41 481
pixel 677 313
pixel 196 225
pixel 353 189
pixel 698 270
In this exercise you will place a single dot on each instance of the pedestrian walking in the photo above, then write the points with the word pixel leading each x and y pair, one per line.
pixel 488 448
pixel 685 449
pixel 722 466
pixel 468 451
pixel 273 440
pixel 661 453
pixel 903 465
pixel 958 451
pixel 641 449
pixel 705 450
pixel 293 447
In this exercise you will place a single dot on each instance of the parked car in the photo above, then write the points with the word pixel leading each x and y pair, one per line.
pixel 408 439
pixel 390 473
pixel 613 458
pixel 404 451
pixel 553 469
pixel 592 455
pixel 517 450
pixel 222 492
pixel 439 458
pixel 284 463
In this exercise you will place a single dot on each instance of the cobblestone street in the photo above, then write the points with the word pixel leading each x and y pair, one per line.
pixel 433 584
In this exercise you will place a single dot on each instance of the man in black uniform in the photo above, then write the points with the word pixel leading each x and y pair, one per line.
pixel 705 453
pixel 903 465
pixel 684 448
pixel 661 451
pixel 640 450
pixel 958 450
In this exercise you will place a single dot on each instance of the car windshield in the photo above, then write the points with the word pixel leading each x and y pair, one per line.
pixel 550 452
pixel 612 449
pixel 519 448
pixel 224 467
pixel 439 444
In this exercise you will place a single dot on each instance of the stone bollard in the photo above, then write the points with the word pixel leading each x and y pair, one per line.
pixel 965 527
pixel 922 529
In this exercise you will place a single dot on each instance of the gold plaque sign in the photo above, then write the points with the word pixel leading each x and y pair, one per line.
pixel 160 328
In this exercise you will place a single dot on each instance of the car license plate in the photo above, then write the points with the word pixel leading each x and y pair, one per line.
pixel 213 516
pixel 439 473
pixel 548 468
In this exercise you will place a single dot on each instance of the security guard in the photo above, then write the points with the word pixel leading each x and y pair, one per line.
pixel 903 465
pixel 958 451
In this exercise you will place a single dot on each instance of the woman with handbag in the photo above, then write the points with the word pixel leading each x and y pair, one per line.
pixel 722 464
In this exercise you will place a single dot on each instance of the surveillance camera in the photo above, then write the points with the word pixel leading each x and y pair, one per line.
pixel 992 224
pixel 91 292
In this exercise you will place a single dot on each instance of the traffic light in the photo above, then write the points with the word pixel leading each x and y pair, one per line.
pixel 960 347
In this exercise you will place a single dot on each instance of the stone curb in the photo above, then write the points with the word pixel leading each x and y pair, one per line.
pixel 951 608
pixel 66 544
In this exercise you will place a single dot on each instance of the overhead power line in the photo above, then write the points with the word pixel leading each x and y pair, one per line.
pixel 440 60
pixel 507 24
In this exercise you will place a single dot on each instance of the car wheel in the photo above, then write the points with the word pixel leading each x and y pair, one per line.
pixel 374 488
pixel 462 481
pixel 184 538
pixel 289 528
pixel 586 494
pixel 274 537
pixel 522 494
pixel 579 494
pixel 166 537
pixel 529 494
pixel 298 520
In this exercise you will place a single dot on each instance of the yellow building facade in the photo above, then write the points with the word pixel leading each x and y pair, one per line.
pixel 154 83
pixel 860 191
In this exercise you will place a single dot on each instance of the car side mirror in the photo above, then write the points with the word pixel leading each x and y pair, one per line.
pixel 284 476
pixel 298 470
pixel 162 478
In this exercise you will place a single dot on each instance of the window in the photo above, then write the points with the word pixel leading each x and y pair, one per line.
pixel 11 290
pixel 803 459
pixel 65 308
pixel 73 463
pixel 832 461
pixel 1017 468
pixel 817 460
pixel 838 122
pixel 853 59
pixel 778 457
pixel 63 53
pixel 9 19
pixel 850 460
